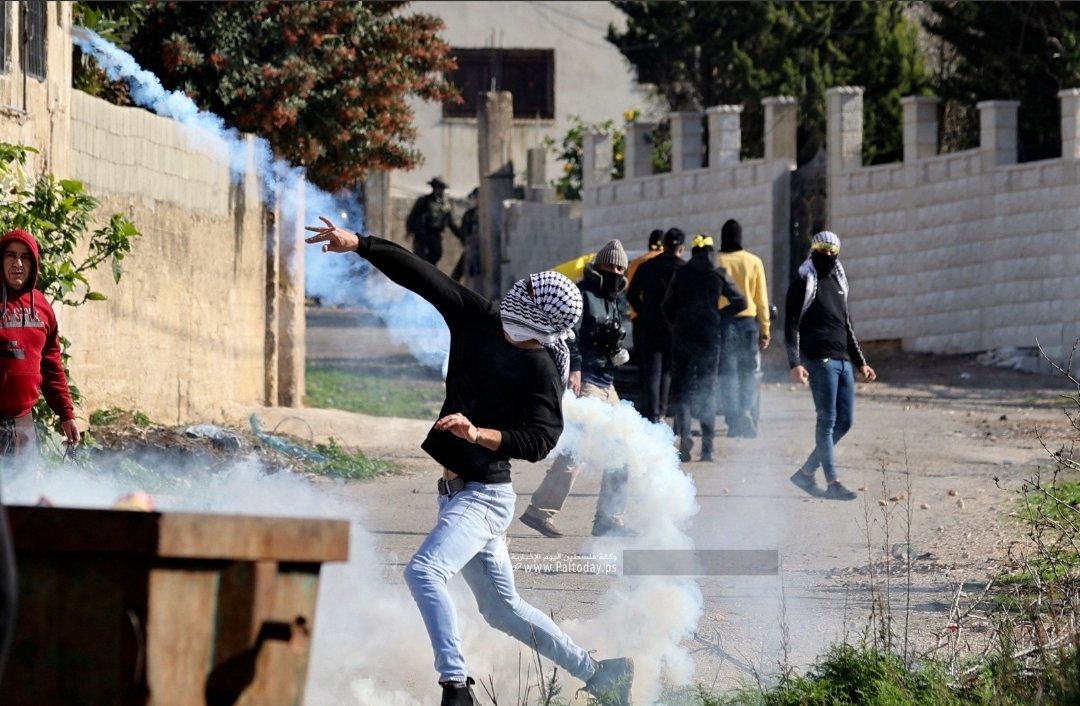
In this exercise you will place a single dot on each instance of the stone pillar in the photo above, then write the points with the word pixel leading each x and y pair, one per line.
pixel 537 189
pixel 377 204
pixel 997 132
pixel 685 141
pixel 920 127
pixel 638 159
pixel 725 134
pixel 273 283
pixel 781 123
pixel 597 159
pixel 495 121
pixel 843 137
pixel 292 350
pixel 1070 123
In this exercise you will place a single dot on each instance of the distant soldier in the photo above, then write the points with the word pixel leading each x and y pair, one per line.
pixel 468 264
pixel 429 217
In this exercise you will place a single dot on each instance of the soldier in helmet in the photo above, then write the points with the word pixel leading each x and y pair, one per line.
pixel 429 217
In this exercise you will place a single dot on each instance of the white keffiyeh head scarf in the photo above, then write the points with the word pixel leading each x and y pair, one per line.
pixel 547 314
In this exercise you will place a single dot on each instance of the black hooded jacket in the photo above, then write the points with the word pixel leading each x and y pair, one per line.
pixel 692 303
pixel 646 295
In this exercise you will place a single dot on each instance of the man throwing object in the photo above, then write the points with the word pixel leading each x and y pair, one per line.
pixel 508 368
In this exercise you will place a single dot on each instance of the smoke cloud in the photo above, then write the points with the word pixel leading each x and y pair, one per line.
pixel 334 280
pixel 370 645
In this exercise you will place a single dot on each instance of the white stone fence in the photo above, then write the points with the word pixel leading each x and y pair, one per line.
pixel 962 252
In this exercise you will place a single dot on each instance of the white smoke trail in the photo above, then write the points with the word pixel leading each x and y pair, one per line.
pixel 410 319
pixel 645 617
pixel 381 634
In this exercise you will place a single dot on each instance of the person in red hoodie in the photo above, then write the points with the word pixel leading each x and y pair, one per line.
pixel 29 366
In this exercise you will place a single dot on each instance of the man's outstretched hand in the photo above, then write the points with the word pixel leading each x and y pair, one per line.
pixel 335 239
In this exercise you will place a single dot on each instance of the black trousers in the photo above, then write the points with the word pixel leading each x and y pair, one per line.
pixel 693 391
pixel 428 249
pixel 655 381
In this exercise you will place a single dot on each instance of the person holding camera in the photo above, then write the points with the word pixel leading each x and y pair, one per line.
pixel 691 307
pixel 595 352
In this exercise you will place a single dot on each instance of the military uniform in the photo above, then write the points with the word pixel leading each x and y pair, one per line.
pixel 429 217
pixel 468 264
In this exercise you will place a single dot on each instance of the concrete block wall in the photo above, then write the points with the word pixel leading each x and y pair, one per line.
pixel 961 252
pixel 186 329
pixel 538 236
pixel 693 198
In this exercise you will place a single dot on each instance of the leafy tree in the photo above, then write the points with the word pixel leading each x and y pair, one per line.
pixel 116 22
pixel 1025 51
pixel 570 151
pixel 703 54
pixel 326 83
pixel 59 215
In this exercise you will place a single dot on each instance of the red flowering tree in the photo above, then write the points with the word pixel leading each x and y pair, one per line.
pixel 326 83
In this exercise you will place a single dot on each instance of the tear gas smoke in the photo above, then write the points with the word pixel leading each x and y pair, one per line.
pixel 334 280
pixel 369 637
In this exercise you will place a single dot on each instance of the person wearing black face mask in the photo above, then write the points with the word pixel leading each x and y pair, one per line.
pixel 822 352
pixel 595 352
pixel 691 306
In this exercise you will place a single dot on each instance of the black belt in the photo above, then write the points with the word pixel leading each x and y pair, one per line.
pixel 447 487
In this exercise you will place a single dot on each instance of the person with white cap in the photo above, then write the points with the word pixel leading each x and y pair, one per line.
pixel 823 352
pixel 595 353
pixel 508 367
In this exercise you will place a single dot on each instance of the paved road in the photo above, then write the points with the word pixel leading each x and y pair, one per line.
pixel 920 439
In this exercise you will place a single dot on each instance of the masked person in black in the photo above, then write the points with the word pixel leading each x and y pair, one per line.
pixel 691 305
pixel 595 352
pixel 505 378
pixel 822 352
pixel 651 328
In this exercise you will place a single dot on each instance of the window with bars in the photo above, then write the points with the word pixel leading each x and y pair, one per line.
pixel 529 74
pixel 4 24
pixel 34 26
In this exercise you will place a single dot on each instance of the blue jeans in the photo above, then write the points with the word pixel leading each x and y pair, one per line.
pixel 832 383
pixel 469 537
pixel 737 381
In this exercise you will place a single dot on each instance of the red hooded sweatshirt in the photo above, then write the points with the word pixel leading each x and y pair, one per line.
pixel 29 345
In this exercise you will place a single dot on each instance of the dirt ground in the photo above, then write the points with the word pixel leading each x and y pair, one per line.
pixel 945 432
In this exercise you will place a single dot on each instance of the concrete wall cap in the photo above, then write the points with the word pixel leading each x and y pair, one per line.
pixel 997 104
pixel 686 114
pixel 724 109
pixel 906 100
pixel 779 100
pixel 846 90
pixel 1069 93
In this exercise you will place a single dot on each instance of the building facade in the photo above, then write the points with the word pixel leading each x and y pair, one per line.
pixel 552 56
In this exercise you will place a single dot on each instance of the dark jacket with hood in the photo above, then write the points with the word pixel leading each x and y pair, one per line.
pixel 495 384
pixel 30 364
pixel 646 296
pixel 600 308
pixel 692 302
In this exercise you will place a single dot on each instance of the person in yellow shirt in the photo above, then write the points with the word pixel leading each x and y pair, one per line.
pixel 744 336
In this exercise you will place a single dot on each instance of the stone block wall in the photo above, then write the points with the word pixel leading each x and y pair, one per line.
pixel 186 328
pixel 694 198
pixel 538 236
pixel 961 252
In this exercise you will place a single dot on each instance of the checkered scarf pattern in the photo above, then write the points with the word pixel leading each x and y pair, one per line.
pixel 808 272
pixel 548 316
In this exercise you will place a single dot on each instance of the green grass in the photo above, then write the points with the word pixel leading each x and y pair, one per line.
pixel 860 675
pixel 351 465
pixel 329 388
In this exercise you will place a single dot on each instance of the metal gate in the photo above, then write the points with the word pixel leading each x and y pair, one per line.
pixel 808 207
